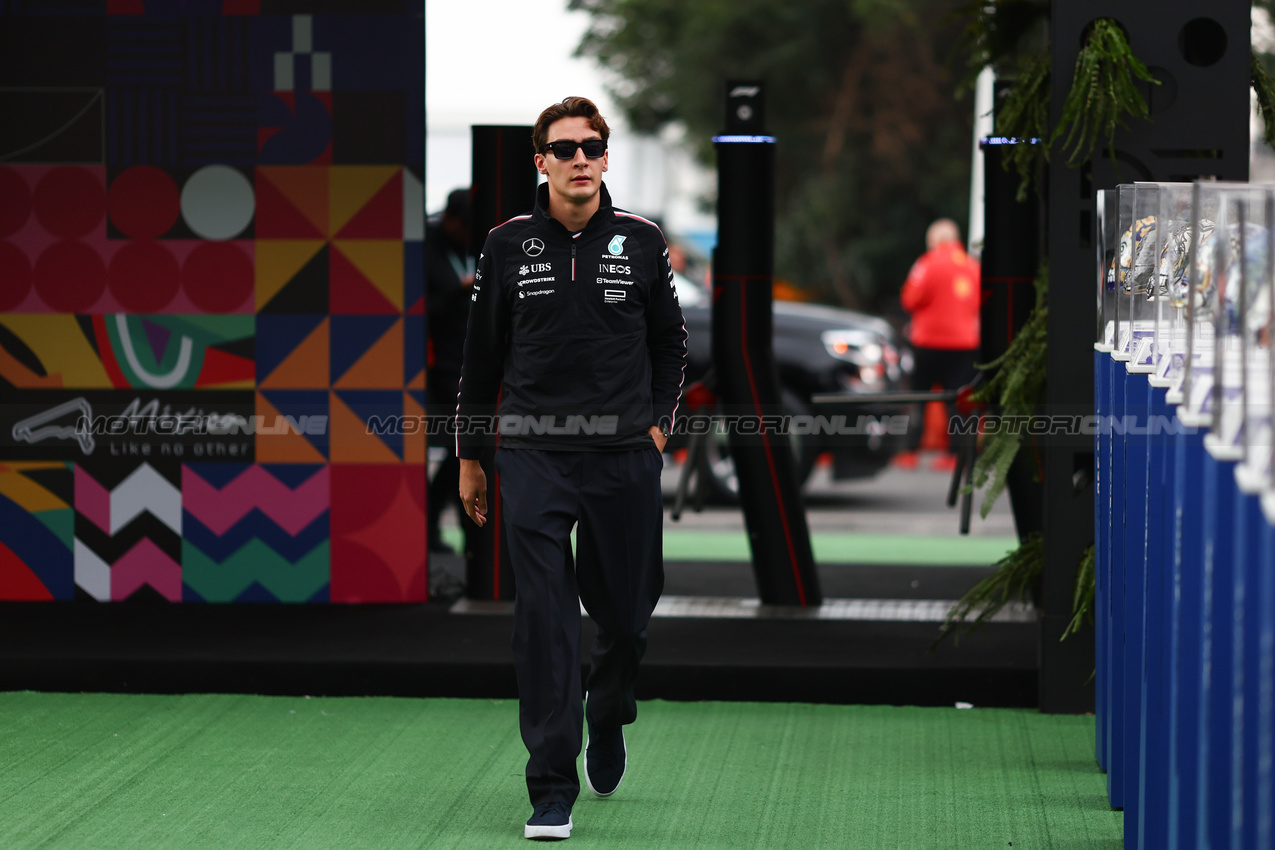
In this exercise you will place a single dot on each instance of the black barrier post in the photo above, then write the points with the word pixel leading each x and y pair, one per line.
pixel 1011 251
pixel 503 185
pixel 743 354
pixel 1011 256
pixel 503 178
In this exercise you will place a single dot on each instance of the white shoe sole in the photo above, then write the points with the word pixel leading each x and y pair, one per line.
pixel 563 831
pixel 623 771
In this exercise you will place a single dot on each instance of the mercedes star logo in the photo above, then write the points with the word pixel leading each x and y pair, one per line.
pixel 533 247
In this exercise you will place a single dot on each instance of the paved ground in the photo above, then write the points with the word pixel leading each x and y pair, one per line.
pixel 897 501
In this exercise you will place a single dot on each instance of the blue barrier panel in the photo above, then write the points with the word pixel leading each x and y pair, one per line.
pixel 1168 546
pixel 1137 405
pixel 1184 703
pixel 1176 514
pixel 1110 640
pixel 1247 560
pixel 1101 518
pixel 1216 612
pixel 1116 586
pixel 1153 827
pixel 1264 804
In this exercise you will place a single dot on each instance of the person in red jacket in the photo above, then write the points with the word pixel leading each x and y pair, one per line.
pixel 942 296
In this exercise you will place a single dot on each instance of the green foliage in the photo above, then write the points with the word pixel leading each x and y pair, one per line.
pixel 1102 92
pixel 1265 92
pixel 873 145
pixel 1016 388
pixel 1000 33
pixel 1012 37
pixel 1082 600
pixel 1104 88
pixel 1016 578
pixel 1024 114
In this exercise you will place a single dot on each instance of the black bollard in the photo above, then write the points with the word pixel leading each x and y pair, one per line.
pixel 1011 256
pixel 504 185
pixel 1011 251
pixel 743 355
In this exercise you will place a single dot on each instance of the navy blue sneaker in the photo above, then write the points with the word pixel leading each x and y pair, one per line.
pixel 549 820
pixel 605 758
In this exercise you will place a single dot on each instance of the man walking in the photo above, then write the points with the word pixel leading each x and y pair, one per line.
pixel 576 329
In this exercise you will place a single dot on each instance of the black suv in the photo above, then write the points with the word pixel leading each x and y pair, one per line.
pixel 819 351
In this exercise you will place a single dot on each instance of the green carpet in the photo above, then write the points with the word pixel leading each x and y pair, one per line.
pixel 228 771
pixel 833 547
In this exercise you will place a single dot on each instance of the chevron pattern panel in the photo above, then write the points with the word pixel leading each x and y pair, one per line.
pixel 211 299
pixel 128 528
pixel 255 533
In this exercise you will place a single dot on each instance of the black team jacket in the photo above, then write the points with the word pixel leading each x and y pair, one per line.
pixel 579 336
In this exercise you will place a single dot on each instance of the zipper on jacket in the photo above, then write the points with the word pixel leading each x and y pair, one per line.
pixel 573 261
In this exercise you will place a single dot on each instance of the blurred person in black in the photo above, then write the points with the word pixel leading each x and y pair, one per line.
pixel 575 324
pixel 449 281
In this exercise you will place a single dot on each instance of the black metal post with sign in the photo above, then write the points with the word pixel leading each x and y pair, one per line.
pixel 743 354
pixel 1012 244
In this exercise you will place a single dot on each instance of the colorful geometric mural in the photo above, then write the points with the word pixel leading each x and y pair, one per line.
pixel 212 209
pixel 123 350
pixel 39 529
pixel 60 258
pixel 372 561
pixel 255 533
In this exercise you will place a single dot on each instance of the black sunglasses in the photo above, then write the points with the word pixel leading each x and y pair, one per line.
pixel 566 149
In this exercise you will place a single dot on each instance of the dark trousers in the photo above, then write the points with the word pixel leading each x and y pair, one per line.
pixel 950 368
pixel 618 575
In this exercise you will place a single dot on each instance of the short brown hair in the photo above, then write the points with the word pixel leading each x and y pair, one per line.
pixel 571 107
